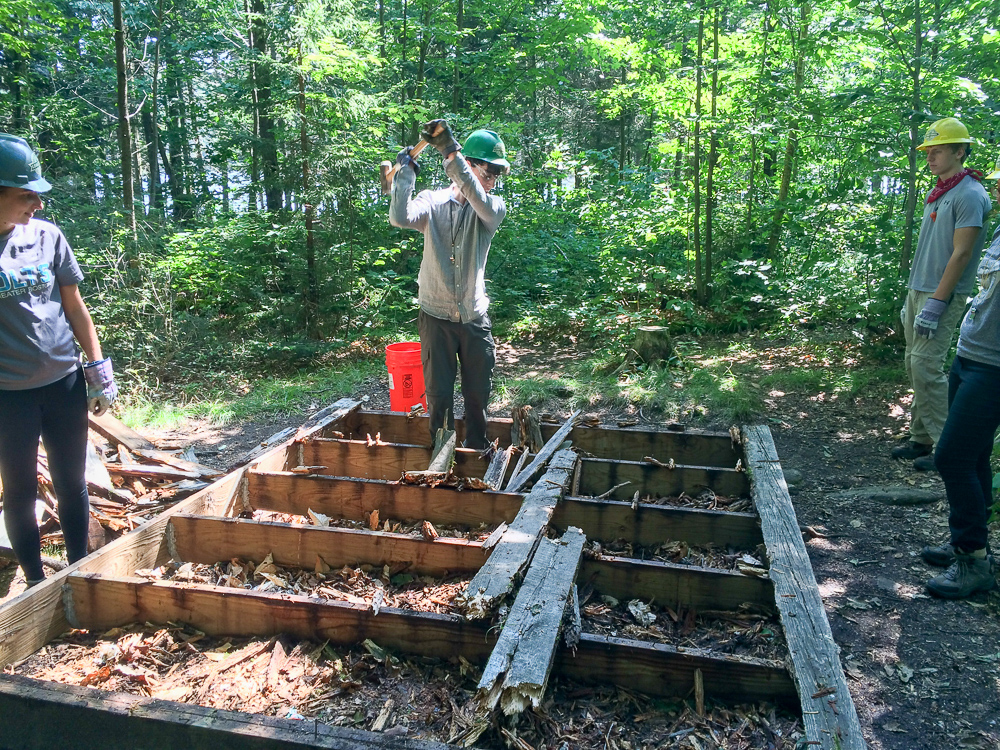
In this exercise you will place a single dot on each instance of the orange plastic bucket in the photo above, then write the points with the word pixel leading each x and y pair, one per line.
pixel 406 376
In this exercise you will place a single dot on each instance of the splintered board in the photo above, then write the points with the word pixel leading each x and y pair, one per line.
pixel 682 530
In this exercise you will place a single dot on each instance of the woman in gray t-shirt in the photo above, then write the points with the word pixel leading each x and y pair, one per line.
pixel 963 453
pixel 44 390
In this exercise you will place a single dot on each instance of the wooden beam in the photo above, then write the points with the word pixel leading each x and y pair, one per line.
pixel 101 603
pixel 696 447
pixel 828 713
pixel 518 670
pixel 497 470
pixel 355 458
pixel 513 552
pixel 38 714
pixel 151 471
pixel 264 446
pixel 650 525
pixel 521 479
pixel 675 585
pixel 114 431
pixel 662 670
pixel 205 472
pixel 209 540
pixel 598 475
pixel 441 461
pixel 343 497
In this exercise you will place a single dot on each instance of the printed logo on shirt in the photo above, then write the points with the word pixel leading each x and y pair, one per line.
pixel 25 280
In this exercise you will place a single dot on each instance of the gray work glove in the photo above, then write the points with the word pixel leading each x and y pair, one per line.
pixel 926 323
pixel 444 141
pixel 405 158
pixel 101 388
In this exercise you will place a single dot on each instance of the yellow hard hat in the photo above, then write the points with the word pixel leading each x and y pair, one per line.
pixel 948 130
pixel 995 174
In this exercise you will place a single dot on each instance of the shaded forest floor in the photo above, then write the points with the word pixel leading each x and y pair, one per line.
pixel 923 672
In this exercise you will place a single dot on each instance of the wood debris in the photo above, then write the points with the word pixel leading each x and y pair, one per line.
pixel 681 553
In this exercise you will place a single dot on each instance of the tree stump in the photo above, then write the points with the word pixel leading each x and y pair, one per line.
pixel 653 344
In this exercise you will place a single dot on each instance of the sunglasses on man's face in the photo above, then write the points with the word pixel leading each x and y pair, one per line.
pixel 492 170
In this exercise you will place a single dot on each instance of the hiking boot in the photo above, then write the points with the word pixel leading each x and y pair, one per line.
pixel 910 450
pixel 966 576
pixel 925 463
pixel 940 556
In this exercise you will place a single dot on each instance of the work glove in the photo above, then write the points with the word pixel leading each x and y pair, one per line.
pixel 101 387
pixel 926 323
pixel 444 141
pixel 404 158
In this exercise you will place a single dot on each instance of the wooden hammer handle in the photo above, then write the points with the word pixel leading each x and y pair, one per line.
pixel 421 145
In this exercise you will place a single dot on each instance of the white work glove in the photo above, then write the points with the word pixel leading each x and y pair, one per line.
pixel 101 388
pixel 926 323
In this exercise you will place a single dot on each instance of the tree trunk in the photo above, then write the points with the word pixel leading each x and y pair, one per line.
pixel 911 175
pixel 713 156
pixel 456 79
pixel 762 84
pixel 124 121
pixel 199 152
pixel 268 148
pixel 793 137
pixel 150 124
pixel 312 292
pixel 699 277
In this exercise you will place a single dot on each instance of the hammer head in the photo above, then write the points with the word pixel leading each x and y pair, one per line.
pixel 385 176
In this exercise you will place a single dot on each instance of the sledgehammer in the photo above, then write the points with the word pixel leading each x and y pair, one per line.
pixel 387 170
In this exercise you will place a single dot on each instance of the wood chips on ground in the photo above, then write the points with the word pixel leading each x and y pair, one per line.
pixel 368 687
pixel 682 553
pixel 375 523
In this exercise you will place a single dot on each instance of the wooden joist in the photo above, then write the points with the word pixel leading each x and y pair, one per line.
pixel 385 461
pixel 649 525
pixel 513 552
pixel 672 585
pixel 519 667
pixel 828 713
pixel 343 497
pixel 668 671
pixel 697 447
pixel 208 540
pixel 598 475
pixel 104 602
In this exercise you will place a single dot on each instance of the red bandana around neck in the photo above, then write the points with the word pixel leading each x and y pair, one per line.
pixel 943 186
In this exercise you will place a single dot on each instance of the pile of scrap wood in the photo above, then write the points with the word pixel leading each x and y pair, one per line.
pixel 129 480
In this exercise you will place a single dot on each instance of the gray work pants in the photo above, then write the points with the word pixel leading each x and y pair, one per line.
pixel 441 341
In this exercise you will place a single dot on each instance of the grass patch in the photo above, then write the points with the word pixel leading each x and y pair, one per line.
pixel 236 399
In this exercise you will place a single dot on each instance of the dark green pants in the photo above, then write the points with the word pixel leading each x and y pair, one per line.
pixel 441 341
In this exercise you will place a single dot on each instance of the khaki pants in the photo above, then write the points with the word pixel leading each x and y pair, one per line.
pixel 925 366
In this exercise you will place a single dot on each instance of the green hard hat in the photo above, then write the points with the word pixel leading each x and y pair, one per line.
pixel 19 167
pixel 486 145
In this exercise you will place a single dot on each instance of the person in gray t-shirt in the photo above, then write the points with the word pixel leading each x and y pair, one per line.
pixel 44 390
pixel 942 275
pixel 963 453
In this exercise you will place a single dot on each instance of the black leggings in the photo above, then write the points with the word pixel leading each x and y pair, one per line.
pixel 57 412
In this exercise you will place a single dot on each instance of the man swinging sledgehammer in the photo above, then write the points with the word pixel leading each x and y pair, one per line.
pixel 458 224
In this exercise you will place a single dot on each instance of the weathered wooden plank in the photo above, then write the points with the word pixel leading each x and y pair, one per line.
pixel 513 552
pixel 103 602
pixel 116 432
pixel 355 458
pixel 830 718
pixel 676 585
pixel 344 497
pixel 39 714
pixel 205 472
pixel 696 447
pixel 151 471
pixel 668 671
pixel 207 540
pixel 649 525
pixel 519 667
pixel 264 446
pixel 497 470
pixel 521 479
pixel 598 475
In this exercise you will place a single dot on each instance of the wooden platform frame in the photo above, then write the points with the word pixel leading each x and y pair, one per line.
pixel 349 479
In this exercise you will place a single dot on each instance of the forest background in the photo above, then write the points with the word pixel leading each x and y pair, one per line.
pixel 718 168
